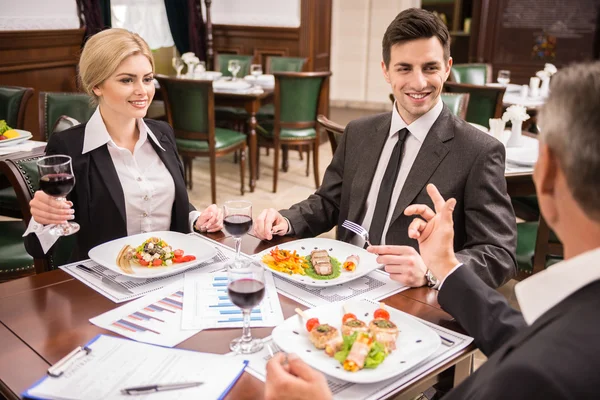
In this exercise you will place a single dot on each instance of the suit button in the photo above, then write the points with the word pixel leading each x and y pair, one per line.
pixel 139 179
pixel 144 215
pixel 146 198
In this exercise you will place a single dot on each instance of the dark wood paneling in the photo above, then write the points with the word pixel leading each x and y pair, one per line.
pixel 44 60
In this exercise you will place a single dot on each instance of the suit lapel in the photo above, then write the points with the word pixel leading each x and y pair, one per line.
pixel 369 150
pixel 108 173
pixel 431 154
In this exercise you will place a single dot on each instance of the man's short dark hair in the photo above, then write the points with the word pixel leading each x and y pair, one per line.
pixel 411 24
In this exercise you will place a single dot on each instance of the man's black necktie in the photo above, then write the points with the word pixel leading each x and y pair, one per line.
pixel 385 190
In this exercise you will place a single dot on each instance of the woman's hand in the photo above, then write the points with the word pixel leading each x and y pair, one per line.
pixel 47 210
pixel 211 219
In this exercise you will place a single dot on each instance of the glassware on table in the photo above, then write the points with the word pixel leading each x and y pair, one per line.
pixel 200 69
pixel 256 70
pixel 246 289
pixel 178 64
pixel 57 180
pixel 238 221
pixel 504 77
pixel 234 67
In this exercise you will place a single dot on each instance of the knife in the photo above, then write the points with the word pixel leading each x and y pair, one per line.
pixel 105 280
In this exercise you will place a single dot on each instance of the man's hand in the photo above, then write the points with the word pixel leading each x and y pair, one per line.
pixel 47 210
pixel 270 222
pixel 403 263
pixel 435 233
pixel 210 220
pixel 294 380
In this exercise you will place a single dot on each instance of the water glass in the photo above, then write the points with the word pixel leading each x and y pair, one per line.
pixel 178 65
pixel 256 70
pixel 234 67
pixel 504 77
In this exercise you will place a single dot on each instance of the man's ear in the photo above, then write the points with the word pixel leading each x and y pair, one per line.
pixel 545 176
pixel 448 67
pixel 386 74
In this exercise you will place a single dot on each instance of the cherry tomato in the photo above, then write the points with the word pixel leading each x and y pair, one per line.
pixel 144 262
pixel 139 256
pixel 156 262
pixel 177 260
pixel 381 313
pixel 187 258
pixel 348 317
pixel 178 253
pixel 311 323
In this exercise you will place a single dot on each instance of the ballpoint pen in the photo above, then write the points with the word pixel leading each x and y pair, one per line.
pixel 159 388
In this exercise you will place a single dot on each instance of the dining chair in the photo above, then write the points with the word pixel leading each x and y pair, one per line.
pixel 222 63
pixel 485 102
pixel 473 73
pixel 190 106
pixel 226 116
pixel 13 103
pixel 284 64
pixel 333 129
pixel 24 177
pixel 52 105
pixel 298 97
pixel 538 247
pixel 456 102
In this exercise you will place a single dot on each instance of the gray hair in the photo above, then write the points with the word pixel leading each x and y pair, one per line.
pixel 570 126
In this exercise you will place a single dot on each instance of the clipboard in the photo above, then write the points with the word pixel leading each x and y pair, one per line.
pixel 104 355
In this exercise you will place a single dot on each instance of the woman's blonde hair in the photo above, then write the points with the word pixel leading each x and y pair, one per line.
pixel 104 52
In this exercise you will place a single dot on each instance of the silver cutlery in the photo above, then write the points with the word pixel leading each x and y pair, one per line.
pixel 359 230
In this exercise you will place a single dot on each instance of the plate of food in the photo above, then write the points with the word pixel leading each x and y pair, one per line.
pixel 152 254
pixel 359 341
pixel 10 136
pixel 318 261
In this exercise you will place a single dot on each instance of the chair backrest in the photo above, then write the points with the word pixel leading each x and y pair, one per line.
pixel 285 64
pixel 474 74
pixel 334 131
pixel 54 105
pixel 24 177
pixel 456 102
pixel 298 97
pixel 13 101
pixel 485 102
pixel 190 106
pixel 222 62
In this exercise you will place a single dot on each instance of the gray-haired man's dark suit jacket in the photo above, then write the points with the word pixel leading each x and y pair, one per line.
pixel 461 161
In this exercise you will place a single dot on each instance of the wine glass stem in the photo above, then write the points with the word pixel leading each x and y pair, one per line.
pixel 246 335
pixel 62 199
pixel 238 248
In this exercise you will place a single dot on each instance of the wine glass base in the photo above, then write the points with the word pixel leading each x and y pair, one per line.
pixel 66 229
pixel 248 347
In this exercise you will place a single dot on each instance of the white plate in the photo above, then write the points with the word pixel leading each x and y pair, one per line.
pixel 265 80
pixel 523 156
pixel 23 135
pixel 238 84
pixel 415 343
pixel 106 253
pixel 335 248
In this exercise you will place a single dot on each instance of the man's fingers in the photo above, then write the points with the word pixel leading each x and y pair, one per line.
pixel 300 369
pixel 420 209
pixel 263 225
pixel 395 260
pixel 448 210
pixel 416 227
pixel 436 197
pixel 392 250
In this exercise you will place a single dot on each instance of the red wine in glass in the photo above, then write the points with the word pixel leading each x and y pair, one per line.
pixel 246 293
pixel 238 225
pixel 57 185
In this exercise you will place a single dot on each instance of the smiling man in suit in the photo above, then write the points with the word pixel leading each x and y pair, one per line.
pixel 384 162
pixel 551 350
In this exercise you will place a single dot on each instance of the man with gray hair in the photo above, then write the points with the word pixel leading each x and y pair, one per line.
pixel 549 350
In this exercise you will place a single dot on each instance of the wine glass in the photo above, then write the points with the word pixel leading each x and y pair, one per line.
pixel 256 70
pixel 503 77
pixel 246 289
pixel 57 180
pixel 178 65
pixel 237 220
pixel 234 67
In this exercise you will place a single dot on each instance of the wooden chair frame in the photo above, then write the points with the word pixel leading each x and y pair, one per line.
pixel 464 88
pixel 332 128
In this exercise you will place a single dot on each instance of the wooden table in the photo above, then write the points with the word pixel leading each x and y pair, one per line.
pixel 43 317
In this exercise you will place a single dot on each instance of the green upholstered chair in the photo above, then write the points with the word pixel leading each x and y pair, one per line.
pixel 537 247
pixel 284 64
pixel 485 102
pixel 54 105
pixel 456 102
pixel 15 261
pixel 474 74
pixel 298 97
pixel 226 116
pixel 222 62
pixel 13 102
pixel 334 131
pixel 23 175
pixel 190 106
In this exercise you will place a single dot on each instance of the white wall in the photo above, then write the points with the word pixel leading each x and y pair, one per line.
pixel 38 14
pixel 357 29
pixel 284 13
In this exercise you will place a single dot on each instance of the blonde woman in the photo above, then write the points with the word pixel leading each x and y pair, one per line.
pixel 129 178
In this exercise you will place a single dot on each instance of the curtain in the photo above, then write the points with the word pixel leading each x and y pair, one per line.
pixel 187 26
pixel 95 16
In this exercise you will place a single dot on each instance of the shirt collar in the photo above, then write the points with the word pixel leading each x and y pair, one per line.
pixel 97 135
pixel 547 288
pixel 421 126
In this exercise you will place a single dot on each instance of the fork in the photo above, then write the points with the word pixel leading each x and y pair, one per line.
pixel 359 230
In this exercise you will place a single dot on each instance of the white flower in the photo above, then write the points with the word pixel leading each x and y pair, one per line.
pixel 543 74
pixel 186 57
pixel 550 69
pixel 515 113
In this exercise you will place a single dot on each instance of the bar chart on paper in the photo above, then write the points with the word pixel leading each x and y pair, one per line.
pixel 155 318
pixel 207 304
